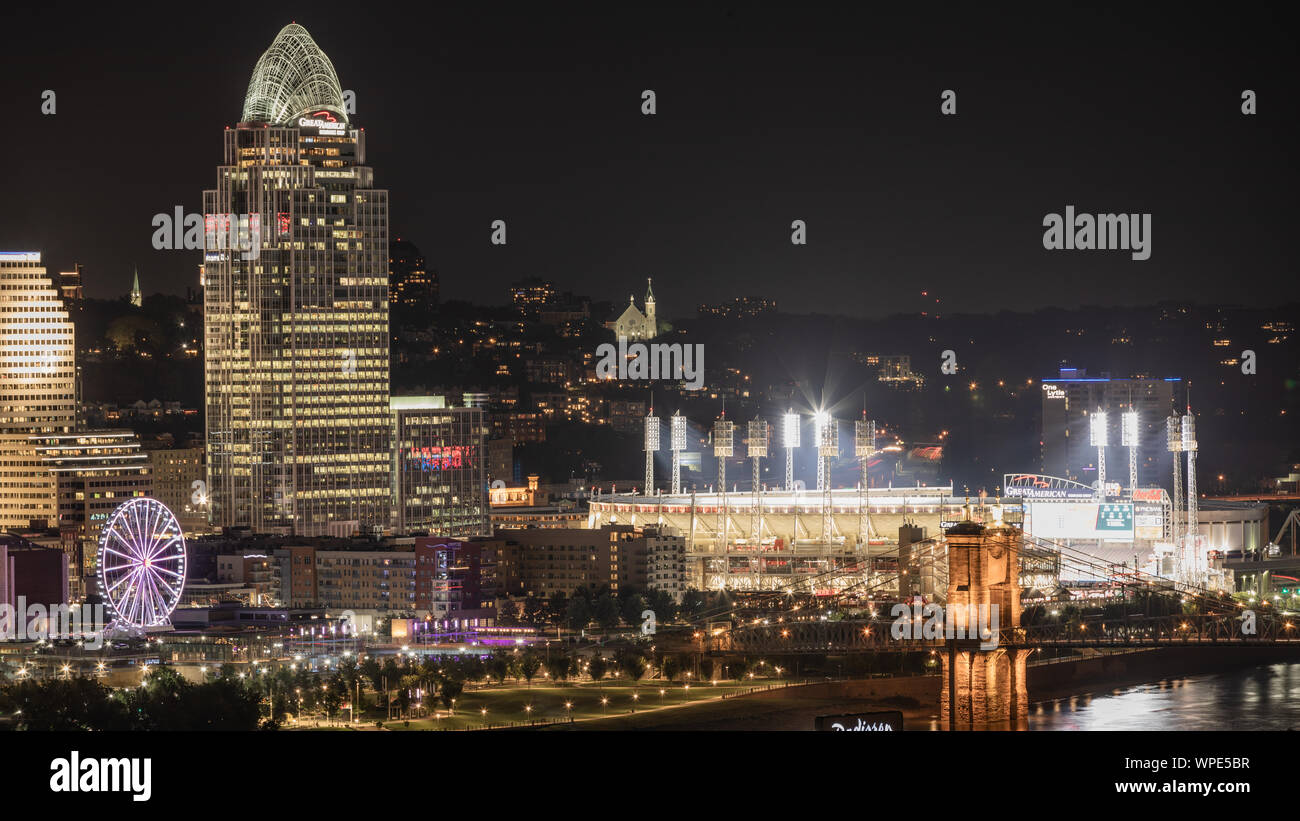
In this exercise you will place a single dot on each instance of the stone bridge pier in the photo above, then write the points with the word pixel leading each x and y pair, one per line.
pixel 984 680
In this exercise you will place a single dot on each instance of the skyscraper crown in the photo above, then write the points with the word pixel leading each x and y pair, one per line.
pixel 292 78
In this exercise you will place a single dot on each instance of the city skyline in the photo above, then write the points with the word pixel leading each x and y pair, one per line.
pixel 999 416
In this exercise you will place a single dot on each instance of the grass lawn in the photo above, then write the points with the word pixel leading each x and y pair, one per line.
pixel 511 703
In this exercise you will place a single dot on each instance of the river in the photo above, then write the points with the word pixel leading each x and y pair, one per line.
pixel 1255 698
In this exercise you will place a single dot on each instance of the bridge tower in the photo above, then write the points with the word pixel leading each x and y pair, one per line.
pixel 984 681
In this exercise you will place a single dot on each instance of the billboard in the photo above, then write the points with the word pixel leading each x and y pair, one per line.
pixel 1081 520
pixel 1149 521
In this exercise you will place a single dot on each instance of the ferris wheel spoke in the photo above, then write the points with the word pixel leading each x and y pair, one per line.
pixel 157 580
pixel 161 546
pixel 117 534
pixel 132 596
pixel 152 514
pixel 130 524
pixel 134 573
pixel 162 603
pixel 149 600
pixel 115 569
pixel 127 556
pixel 155 568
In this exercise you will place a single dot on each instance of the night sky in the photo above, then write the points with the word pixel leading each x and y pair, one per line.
pixel 532 115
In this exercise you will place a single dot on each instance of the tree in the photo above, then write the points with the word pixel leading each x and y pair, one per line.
pixel 597 667
pixel 671 668
pixel 451 690
pixel 606 611
pixel 738 668
pixel 558 606
pixel 534 610
pixel 577 613
pixel 632 607
pixel 528 666
pixel 336 692
pixel 633 664
pixel 706 668
pixel 508 614
pixel 694 603
pixel 661 601
pixel 499 668
pixel 558 665
pixel 373 673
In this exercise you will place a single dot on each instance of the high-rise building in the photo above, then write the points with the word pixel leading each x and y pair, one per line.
pixel 1068 405
pixel 532 293
pixel 411 284
pixel 296 309
pixel 70 283
pixel 175 474
pixel 439 468
pixel 37 387
pixel 94 472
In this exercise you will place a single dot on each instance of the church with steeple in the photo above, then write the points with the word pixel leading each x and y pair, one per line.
pixel 633 324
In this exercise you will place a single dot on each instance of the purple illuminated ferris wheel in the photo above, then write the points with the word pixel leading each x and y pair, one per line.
pixel 141 565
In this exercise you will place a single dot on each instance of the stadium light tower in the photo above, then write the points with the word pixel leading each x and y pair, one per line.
pixel 1174 439
pixel 1189 445
pixel 677 444
pixel 756 443
pixel 864 447
pixel 1097 438
pixel 828 447
pixel 723 446
pixel 790 441
pixel 651 448
pixel 1128 432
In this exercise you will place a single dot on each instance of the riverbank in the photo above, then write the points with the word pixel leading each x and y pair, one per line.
pixel 1095 675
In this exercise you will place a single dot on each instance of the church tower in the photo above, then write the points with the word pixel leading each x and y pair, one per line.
pixel 136 299
pixel 652 325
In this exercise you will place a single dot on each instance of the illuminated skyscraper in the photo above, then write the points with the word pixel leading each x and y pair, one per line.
pixel 37 386
pixel 296 309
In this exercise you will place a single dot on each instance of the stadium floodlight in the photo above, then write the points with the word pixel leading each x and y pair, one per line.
pixel 1128 433
pixel 723 446
pixel 790 440
pixel 1098 434
pixel 756 446
pixel 677 444
pixel 1128 430
pixel 790 430
pixel 1174 441
pixel 1097 429
pixel 651 447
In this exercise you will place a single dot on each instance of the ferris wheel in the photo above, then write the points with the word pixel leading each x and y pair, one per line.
pixel 141 564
